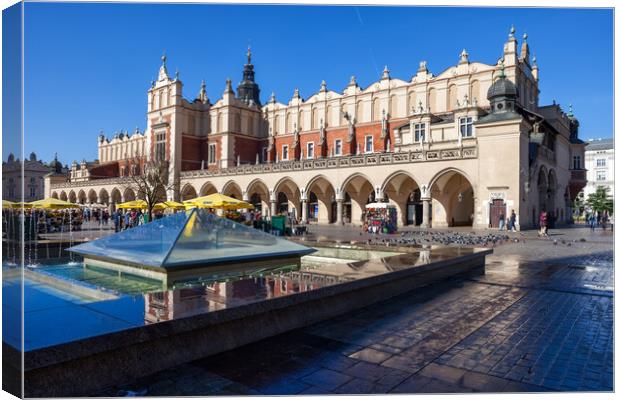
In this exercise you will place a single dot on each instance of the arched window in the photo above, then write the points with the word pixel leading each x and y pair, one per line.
pixel 412 104
pixel 300 126
pixel 474 94
pixel 394 106
pixel 219 123
pixel 432 99
pixel 276 125
pixel 288 123
pixel 341 119
pixel 359 111
pixel 376 113
pixel 452 97
pixel 328 116
pixel 315 119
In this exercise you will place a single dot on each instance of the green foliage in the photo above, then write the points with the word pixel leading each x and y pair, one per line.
pixel 600 200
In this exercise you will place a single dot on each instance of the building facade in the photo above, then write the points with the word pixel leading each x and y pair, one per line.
pixel 599 161
pixel 34 172
pixel 457 148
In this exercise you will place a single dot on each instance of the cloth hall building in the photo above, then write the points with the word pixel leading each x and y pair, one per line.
pixel 457 148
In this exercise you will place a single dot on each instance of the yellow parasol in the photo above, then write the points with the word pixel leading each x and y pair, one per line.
pixel 8 204
pixel 217 200
pixel 137 204
pixel 169 204
pixel 51 204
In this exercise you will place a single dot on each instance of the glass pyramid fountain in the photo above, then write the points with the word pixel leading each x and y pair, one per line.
pixel 194 238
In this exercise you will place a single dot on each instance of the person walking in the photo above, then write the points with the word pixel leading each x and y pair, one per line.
pixel 512 222
pixel 592 222
pixel 542 221
pixel 501 221
pixel 127 220
pixel 117 220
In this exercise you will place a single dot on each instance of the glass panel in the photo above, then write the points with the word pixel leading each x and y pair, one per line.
pixel 146 244
pixel 208 239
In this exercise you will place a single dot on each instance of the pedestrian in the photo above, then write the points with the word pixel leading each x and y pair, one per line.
pixel 592 222
pixel 501 221
pixel 117 220
pixel 127 220
pixel 542 221
pixel 513 221
pixel 611 222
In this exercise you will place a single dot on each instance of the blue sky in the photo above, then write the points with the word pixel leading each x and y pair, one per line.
pixel 88 66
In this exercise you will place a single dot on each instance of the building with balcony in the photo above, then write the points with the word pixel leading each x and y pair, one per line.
pixel 457 148
pixel 34 172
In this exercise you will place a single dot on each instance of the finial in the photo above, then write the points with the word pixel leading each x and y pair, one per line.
pixel 534 62
pixel 386 73
pixel 501 68
pixel 323 86
pixel 296 93
pixel 464 57
pixel 272 99
pixel 524 37
pixel 423 66
pixel 176 75
pixel 249 54
pixel 352 81
pixel 512 32
pixel 570 110
pixel 228 86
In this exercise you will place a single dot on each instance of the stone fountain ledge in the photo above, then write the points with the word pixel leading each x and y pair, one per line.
pixel 85 366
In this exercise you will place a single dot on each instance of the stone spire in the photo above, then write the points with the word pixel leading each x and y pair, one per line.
pixel 352 81
pixel 423 66
pixel 202 96
pixel 464 59
pixel 323 86
pixel 248 91
pixel 534 68
pixel 510 49
pixel 525 50
pixel 386 73
pixel 272 99
pixel 511 35
pixel 296 94
pixel 163 71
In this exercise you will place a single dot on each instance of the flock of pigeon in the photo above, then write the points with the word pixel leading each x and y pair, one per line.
pixel 450 238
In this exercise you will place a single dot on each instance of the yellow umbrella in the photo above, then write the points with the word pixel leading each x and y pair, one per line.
pixel 8 204
pixel 217 200
pixel 52 204
pixel 169 204
pixel 141 204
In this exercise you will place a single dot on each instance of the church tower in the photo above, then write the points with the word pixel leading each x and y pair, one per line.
pixel 248 90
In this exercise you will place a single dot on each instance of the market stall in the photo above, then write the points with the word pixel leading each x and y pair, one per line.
pixel 380 218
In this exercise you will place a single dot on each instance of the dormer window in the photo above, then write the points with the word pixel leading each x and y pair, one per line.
pixel 419 132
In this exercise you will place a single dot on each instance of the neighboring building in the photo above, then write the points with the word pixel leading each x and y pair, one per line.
pixel 34 173
pixel 458 148
pixel 599 161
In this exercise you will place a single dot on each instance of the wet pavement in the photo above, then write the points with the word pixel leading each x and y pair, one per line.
pixel 540 319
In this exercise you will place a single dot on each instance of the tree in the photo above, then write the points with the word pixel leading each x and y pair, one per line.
pixel 150 183
pixel 600 200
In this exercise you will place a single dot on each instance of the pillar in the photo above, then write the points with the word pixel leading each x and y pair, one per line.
pixel 339 204
pixel 273 208
pixel 304 211
pixel 426 213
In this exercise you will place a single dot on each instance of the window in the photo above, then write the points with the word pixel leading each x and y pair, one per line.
pixel 419 131
pixel 160 145
pixel 576 162
pixel 601 162
pixel 368 148
pixel 285 152
pixel 310 152
pixel 264 154
pixel 466 126
pixel 33 191
pixel 32 180
pixel 601 175
pixel 211 156
pixel 338 147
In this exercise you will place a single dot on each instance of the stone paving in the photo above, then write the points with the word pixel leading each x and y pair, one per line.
pixel 539 320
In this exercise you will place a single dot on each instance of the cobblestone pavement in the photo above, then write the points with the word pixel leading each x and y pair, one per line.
pixel 540 319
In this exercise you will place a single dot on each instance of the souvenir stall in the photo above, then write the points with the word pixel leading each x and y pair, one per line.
pixel 380 218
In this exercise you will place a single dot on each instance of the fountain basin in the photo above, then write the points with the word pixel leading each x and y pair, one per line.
pixel 166 324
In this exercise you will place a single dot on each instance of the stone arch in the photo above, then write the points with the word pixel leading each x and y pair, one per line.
pixel 321 206
pixel 359 111
pixel 81 197
pixel 129 195
pixel 432 100
pixel 104 197
pixel 92 196
pixel 160 194
pixel 474 91
pixel 453 200
pixel 542 191
pixel 400 188
pixel 411 103
pixel 288 197
pixel 72 197
pixel 360 190
pixel 232 189
pixel 394 111
pixel 207 189
pixel 376 112
pixel 63 195
pixel 115 196
pixel 55 195
pixel 188 192
pixel 258 194
pixel 552 190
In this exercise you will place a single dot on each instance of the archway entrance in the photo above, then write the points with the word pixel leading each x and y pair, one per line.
pixel 259 196
pixel 358 192
pixel 452 200
pixel 321 201
pixel 403 191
